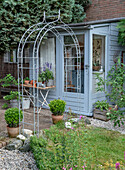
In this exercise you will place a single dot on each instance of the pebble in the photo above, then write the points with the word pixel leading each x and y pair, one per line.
pixel 16 160
pixel 107 125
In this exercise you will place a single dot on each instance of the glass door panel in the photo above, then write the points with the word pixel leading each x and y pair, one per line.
pixel 73 65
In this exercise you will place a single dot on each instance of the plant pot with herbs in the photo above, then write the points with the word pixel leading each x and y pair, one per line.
pixel 13 97
pixel 57 107
pixel 12 119
pixel 96 66
pixel 101 109
pixel 46 76
pixel 27 80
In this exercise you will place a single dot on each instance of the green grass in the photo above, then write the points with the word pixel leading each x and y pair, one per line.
pixel 106 145
pixel 95 148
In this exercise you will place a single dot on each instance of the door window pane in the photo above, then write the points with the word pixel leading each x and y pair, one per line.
pixel 73 65
pixel 98 59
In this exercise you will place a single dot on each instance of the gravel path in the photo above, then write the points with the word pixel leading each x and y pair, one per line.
pixel 107 125
pixel 16 160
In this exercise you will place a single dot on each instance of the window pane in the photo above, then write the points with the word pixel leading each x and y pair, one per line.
pixel 98 59
pixel 48 58
pixel 73 65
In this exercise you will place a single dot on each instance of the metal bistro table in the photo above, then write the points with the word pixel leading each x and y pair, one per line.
pixel 47 89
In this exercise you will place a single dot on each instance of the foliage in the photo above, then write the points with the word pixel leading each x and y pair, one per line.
pixel 8 81
pixel 12 117
pixel 121 37
pixel 46 75
pixel 5 106
pixel 13 95
pixel 78 148
pixel 102 105
pixel 116 93
pixel 42 77
pixel 57 106
pixel 18 16
pixel 27 78
pixel 49 74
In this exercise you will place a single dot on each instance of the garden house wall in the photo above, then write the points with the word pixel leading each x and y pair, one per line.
pixel 78 102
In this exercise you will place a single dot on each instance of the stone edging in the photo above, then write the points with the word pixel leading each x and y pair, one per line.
pixel 4 142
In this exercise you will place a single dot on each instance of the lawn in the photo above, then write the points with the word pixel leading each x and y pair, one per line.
pixel 79 148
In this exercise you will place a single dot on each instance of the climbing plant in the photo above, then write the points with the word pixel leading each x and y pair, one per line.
pixel 115 82
pixel 16 16
pixel 121 37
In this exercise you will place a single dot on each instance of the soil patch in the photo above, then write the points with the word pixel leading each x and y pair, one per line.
pixel 45 120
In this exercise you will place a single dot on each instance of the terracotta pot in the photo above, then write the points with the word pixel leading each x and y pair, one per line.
pixel 96 68
pixel 57 118
pixel 31 82
pixel 13 131
pixel 27 81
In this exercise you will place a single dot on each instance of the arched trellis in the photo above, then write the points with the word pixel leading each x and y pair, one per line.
pixel 41 29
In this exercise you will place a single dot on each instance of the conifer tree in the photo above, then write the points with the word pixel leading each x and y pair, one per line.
pixel 16 16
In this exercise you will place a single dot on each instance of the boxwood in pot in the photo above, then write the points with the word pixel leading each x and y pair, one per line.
pixel 57 107
pixel 12 120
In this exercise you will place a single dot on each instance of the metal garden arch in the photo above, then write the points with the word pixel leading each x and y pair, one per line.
pixel 40 30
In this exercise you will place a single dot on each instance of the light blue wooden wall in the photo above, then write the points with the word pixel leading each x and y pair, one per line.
pixel 113 50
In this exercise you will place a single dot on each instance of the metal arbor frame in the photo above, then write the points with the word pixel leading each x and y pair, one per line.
pixel 41 29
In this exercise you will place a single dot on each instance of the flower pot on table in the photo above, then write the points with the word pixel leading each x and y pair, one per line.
pixel 27 82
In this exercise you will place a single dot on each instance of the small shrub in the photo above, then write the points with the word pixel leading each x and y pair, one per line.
pixel 13 95
pixel 8 81
pixel 5 106
pixel 102 105
pixel 12 117
pixel 57 106
pixel 116 92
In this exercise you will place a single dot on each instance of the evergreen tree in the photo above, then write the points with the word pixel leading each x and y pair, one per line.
pixel 16 16
pixel 121 37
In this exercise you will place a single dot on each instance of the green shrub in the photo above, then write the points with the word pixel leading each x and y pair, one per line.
pixel 5 106
pixel 17 16
pixel 78 148
pixel 57 106
pixel 59 149
pixel 13 95
pixel 102 105
pixel 121 37
pixel 8 81
pixel 12 117
pixel 116 92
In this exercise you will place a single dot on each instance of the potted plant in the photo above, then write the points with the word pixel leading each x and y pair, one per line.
pixel 57 107
pixel 13 97
pixel 27 80
pixel 12 120
pixel 96 66
pixel 31 82
pixel 101 109
pixel 46 76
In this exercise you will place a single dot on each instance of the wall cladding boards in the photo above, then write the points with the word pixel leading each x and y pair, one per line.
pixel 115 49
